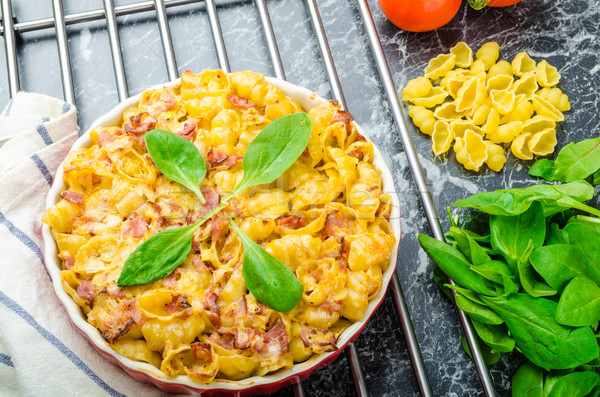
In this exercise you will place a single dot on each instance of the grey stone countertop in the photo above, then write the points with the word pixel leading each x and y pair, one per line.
pixel 566 33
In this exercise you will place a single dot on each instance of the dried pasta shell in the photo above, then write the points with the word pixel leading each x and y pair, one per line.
pixel 556 97
pixel 545 108
pixel 543 143
pixel 478 69
pixel 434 97
pixel 522 63
pixel 423 118
pixel 471 151
pixel 536 124
pixel 526 85
pixel 463 53
pixel 441 138
pixel 488 54
pixel 501 67
pixel 453 82
pixel 480 115
pixel 547 75
pixel 492 122
pixel 459 127
pixel 467 96
pixel 505 133
pixel 448 112
pixel 502 100
pixel 498 82
pixel 440 65
pixel 522 111
pixel 416 88
pixel 495 156
pixel 520 148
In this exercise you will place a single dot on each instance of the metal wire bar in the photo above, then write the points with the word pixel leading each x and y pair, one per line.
pixel 419 178
pixel 165 37
pixel 265 20
pixel 215 27
pixel 94 15
pixel 63 51
pixel 10 47
pixel 115 48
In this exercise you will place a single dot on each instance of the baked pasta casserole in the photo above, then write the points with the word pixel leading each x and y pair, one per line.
pixel 326 218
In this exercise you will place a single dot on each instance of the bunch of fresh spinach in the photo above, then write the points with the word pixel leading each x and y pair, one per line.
pixel 530 282
pixel 268 156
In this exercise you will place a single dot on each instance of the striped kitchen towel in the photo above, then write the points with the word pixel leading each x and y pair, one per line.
pixel 40 351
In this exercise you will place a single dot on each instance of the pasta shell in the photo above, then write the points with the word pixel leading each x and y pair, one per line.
pixel 423 118
pixel 505 133
pixel 495 156
pixel 526 85
pixel 434 97
pixel 416 88
pixel 537 123
pixel 463 53
pixel 453 82
pixel 488 54
pixel 545 108
pixel 547 75
pixel 520 147
pixel 448 112
pixel 467 95
pixel 478 69
pixel 556 97
pixel 492 122
pixel 471 151
pixel 440 65
pixel 543 143
pixel 502 67
pixel 498 82
pixel 480 115
pixel 442 138
pixel 502 100
pixel 459 127
pixel 522 63
pixel 522 111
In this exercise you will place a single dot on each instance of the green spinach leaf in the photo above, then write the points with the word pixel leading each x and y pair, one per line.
pixel 587 238
pixel 537 334
pixel 499 273
pixel 559 263
pixel 543 168
pixel 489 356
pixel 579 304
pixel 575 384
pixel 274 150
pixel 177 158
pixel 495 336
pixel 578 160
pixel 528 381
pixel 478 312
pixel 269 280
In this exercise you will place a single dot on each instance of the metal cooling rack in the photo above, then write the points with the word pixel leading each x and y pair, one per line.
pixel 11 28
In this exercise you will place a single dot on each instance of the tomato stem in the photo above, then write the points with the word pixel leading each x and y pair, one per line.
pixel 478 4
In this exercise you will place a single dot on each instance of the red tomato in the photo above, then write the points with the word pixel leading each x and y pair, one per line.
pixel 420 15
pixel 502 3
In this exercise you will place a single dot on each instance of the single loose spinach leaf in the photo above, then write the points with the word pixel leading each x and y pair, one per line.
pixel 158 256
pixel 269 280
pixel 274 150
pixel 587 238
pixel 477 311
pixel 537 334
pixel 467 293
pixel 488 356
pixel 575 384
pixel 559 263
pixel 454 264
pixel 495 336
pixel 543 168
pixel 528 381
pixel 177 158
pixel 579 304
pixel 578 160
pixel 528 279
pixel 469 246
pixel 517 200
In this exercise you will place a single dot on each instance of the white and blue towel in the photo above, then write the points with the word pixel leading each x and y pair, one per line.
pixel 41 353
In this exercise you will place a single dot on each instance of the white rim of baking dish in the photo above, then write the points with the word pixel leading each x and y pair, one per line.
pixel 307 100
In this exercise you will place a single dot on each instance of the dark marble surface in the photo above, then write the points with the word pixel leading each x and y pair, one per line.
pixel 566 33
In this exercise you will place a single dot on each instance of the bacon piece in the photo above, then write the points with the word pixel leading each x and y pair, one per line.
pixel 343 117
pixel 318 340
pixel 337 225
pixel 140 124
pixel 214 157
pixel 171 280
pixel 68 259
pixel 245 338
pixel 345 252
pixel 178 303
pixel 189 128
pixel 217 227
pixel 105 138
pixel 213 309
pixel 240 101
pixel 291 222
pixel 225 340
pixel 274 343
pixel 157 104
pixel 123 317
pixel 72 197
pixel 87 290
pixel 231 160
pixel 332 307
pixel 136 225
pixel 202 351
